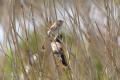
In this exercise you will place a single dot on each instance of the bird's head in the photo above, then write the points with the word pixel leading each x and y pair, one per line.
pixel 59 22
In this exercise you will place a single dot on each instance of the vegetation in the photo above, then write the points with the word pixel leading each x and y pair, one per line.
pixel 91 37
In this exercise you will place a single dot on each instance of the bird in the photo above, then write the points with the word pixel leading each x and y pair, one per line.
pixel 58 51
pixel 55 27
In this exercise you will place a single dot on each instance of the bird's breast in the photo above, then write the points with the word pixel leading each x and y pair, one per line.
pixel 56 46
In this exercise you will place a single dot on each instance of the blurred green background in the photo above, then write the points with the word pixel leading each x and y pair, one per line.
pixel 91 39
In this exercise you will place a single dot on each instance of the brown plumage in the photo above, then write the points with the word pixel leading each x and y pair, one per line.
pixel 58 51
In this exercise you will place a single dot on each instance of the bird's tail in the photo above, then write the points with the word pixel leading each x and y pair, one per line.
pixel 63 60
